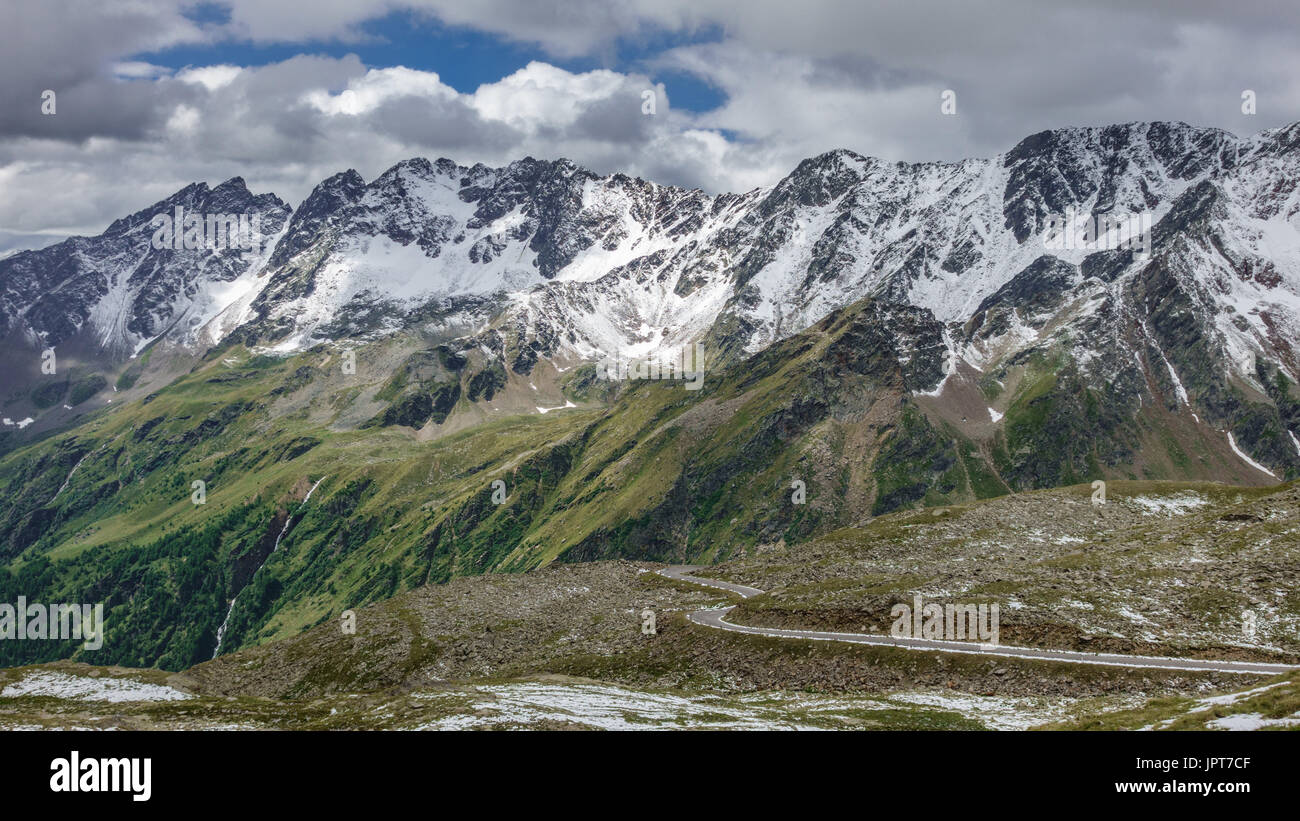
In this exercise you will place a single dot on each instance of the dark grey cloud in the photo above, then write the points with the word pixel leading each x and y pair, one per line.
pixel 68 47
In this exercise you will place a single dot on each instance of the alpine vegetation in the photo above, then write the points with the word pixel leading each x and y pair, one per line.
pixel 78 622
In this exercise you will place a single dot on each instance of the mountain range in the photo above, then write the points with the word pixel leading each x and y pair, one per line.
pixel 875 336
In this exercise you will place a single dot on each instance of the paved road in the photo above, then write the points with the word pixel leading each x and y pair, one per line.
pixel 717 618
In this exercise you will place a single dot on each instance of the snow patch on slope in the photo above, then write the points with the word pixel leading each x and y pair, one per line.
pixel 84 688
pixel 1232 443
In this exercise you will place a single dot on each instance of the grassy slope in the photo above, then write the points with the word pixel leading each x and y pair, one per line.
pixel 1161 568
pixel 1272 705
pixel 581 622
pixel 662 473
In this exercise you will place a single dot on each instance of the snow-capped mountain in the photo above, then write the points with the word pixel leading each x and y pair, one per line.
pixel 951 237
pixel 545 259
pixel 576 265
pixel 114 293
pixel 534 237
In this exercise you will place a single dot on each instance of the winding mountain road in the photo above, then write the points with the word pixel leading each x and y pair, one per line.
pixel 717 619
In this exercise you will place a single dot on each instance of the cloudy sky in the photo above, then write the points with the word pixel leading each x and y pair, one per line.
pixel 151 95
